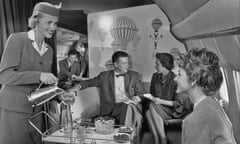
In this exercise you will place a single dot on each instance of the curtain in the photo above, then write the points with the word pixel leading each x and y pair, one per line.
pixel 14 16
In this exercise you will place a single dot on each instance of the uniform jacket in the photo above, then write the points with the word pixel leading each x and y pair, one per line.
pixel 20 70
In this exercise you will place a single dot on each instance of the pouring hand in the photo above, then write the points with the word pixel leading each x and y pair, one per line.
pixel 48 78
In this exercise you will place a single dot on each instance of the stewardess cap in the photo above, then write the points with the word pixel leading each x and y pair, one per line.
pixel 47 8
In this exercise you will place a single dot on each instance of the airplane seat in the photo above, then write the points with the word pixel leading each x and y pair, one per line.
pixel 174 121
pixel 87 104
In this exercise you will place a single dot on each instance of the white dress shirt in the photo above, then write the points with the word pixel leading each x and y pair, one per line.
pixel 120 92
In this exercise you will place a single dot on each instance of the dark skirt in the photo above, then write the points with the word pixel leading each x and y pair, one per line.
pixel 164 111
pixel 15 128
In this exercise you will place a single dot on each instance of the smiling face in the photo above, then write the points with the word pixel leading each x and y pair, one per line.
pixel 81 49
pixel 47 25
pixel 72 58
pixel 158 66
pixel 121 65
pixel 182 80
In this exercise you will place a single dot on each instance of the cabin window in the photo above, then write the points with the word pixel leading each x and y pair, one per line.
pixel 223 89
pixel 236 76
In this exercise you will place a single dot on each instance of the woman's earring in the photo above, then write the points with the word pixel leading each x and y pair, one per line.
pixel 193 83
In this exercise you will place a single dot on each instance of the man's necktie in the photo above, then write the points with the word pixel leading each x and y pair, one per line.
pixel 69 68
pixel 119 75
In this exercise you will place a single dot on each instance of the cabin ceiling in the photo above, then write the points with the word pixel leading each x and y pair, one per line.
pixel 188 18
pixel 74 12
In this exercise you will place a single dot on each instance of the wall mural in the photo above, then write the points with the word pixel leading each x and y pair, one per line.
pixel 102 33
pixel 140 31
pixel 123 30
pixel 156 25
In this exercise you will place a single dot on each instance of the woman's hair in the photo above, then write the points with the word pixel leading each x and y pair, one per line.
pixel 34 19
pixel 166 60
pixel 74 46
pixel 76 43
pixel 202 66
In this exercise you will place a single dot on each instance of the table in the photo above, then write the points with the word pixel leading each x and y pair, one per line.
pixel 89 137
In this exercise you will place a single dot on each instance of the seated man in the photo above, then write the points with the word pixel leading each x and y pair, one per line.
pixel 118 89
pixel 69 68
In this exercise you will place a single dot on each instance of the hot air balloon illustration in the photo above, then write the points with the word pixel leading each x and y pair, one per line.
pixel 123 30
pixel 102 36
pixel 136 41
pixel 156 25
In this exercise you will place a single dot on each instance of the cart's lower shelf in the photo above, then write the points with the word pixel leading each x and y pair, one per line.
pixel 89 136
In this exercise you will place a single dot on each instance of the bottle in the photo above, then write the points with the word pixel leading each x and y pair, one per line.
pixel 66 123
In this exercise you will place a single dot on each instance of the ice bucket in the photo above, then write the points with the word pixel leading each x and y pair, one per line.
pixel 42 95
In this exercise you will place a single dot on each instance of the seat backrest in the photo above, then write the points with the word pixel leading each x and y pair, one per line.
pixel 87 103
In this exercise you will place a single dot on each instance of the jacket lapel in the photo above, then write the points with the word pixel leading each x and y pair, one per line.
pixel 112 84
pixel 127 83
pixel 66 64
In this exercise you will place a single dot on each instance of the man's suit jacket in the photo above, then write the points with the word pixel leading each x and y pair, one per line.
pixel 65 72
pixel 105 82
pixel 207 124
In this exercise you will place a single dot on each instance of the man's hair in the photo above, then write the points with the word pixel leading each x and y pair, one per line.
pixel 203 67
pixel 73 52
pixel 166 60
pixel 117 55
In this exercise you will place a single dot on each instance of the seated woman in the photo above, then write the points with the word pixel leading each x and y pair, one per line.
pixel 164 98
pixel 200 76
pixel 82 50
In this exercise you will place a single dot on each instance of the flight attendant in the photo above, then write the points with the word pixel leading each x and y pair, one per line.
pixel 26 62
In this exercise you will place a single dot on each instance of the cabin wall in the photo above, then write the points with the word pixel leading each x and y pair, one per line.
pixel 141 48
pixel 101 46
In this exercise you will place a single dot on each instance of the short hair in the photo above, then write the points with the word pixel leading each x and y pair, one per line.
pixel 116 55
pixel 203 67
pixel 73 52
pixel 34 19
pixel 166 60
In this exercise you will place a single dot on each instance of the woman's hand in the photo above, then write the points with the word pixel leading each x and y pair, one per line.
pixel 148 96
pixel 48 78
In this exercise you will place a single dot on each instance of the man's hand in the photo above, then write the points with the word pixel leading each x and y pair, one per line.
pixel 67 98
pixel 75 88
pixel 76 77
pixel 136 99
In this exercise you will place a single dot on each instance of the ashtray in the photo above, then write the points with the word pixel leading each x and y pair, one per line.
pixel 125 129
pixel 104 125
pixel 121 137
